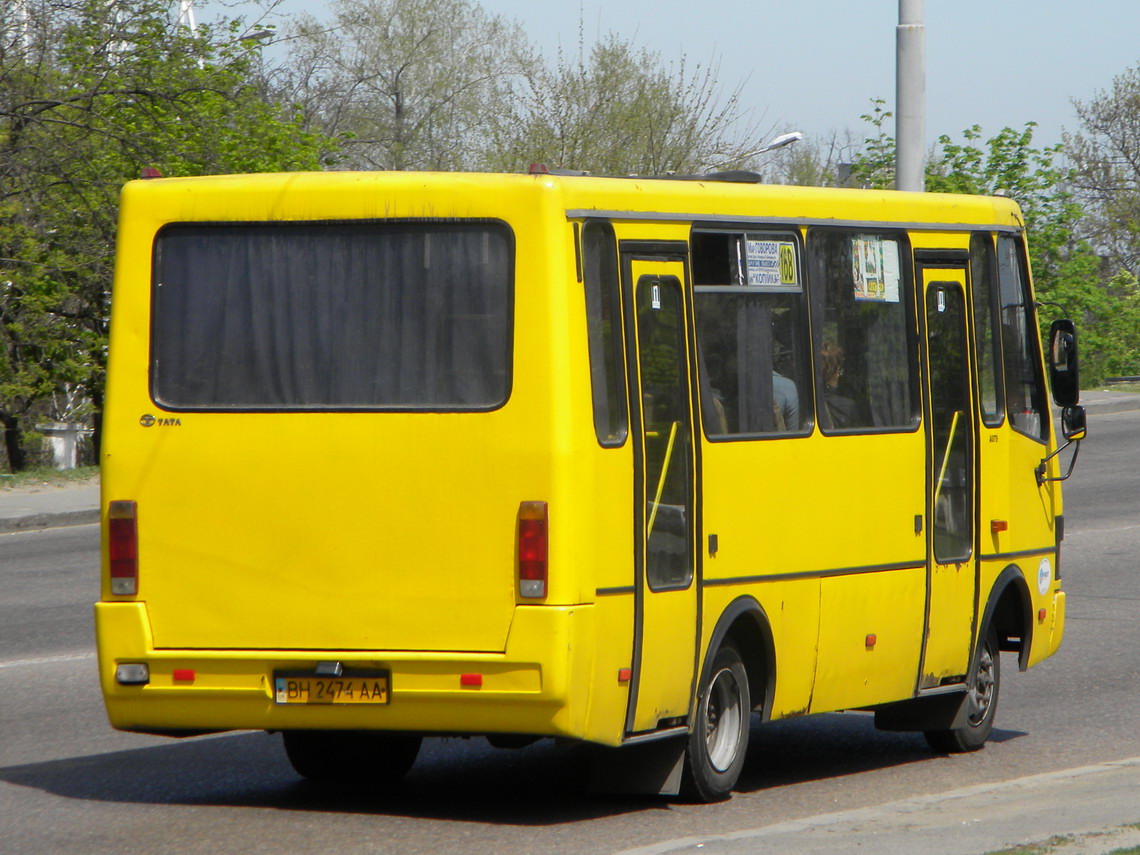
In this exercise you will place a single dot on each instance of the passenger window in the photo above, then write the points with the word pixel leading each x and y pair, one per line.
pixel 1024 387
pixel 603 326
pixel 750 318
pixel 862 331
pixel 983 284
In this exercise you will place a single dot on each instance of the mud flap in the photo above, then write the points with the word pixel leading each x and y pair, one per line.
pixel 944 711
pixel 645 768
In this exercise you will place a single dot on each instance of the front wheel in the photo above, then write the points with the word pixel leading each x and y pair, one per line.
pixel 719 737
pixel 981 700
pixel 363 758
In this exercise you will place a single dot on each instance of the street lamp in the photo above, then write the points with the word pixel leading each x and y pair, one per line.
pixel 778 142
pixel 772 144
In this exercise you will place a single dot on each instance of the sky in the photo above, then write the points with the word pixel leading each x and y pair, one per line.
pixel 814 65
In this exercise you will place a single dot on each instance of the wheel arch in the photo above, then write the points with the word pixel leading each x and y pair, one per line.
pixel 1009 608
pixel 746 624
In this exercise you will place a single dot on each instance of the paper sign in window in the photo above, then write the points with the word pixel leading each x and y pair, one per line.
pixel 772 264
pixel 875 268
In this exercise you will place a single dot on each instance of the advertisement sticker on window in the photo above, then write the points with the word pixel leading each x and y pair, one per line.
pixel 875 268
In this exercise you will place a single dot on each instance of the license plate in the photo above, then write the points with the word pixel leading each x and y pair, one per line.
pixel 347 689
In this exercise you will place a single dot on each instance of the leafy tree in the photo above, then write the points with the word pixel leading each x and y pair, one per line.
pixel 874 166
pixel 1068 273
pixel 619 110
pixel 407 84
pixel 90 94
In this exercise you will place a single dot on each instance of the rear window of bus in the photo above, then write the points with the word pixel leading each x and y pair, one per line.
pixel 344 315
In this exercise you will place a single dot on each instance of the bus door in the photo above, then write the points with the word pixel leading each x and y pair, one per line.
pixel 665 630
pixel 951 585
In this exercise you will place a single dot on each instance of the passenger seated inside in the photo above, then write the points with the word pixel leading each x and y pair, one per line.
pixel 840 410
pixel 786 402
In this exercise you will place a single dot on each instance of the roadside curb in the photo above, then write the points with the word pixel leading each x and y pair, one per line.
pixel 1081 811
pixel 33 522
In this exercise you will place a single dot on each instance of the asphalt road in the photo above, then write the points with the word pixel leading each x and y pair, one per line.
pixel 69 784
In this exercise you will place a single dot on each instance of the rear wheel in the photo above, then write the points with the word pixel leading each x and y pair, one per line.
pixel 982 700
pixel 351 756
pixel 719 737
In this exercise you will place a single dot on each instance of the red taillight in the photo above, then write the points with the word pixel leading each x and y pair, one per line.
pixel 123 547
pixel 532 549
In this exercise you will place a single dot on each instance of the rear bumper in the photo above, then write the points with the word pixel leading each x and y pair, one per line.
pixel 534 687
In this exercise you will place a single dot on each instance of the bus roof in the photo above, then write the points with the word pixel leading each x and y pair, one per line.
pixel 383 195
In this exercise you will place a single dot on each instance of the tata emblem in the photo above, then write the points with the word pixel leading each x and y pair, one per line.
pixel 147 420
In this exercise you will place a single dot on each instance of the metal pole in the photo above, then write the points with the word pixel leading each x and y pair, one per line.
pixel 186 15
pixel 23 25
pixel 910 98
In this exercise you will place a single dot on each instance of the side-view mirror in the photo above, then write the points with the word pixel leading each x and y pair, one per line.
pixel 1073 428
pixel 1064 370
pixel 1073 424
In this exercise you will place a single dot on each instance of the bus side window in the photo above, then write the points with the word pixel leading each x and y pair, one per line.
pixel 603 330
pixel 1024 386
pixel 983 284
pixel 751 327
pixel 862 331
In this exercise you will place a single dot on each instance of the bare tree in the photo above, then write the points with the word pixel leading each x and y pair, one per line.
pixel 1106 160
pixel 620 110
pixel 407 84
pixel 815 161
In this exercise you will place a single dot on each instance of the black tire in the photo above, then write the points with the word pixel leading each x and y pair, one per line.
pixel 360 758
pixel 718 740
pixel 982 698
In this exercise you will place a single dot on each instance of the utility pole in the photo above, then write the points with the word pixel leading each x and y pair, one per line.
pixel 186 15
pixel 23 24
pixel 910 98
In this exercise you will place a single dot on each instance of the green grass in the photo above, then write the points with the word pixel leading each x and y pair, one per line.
pixel 1059 844
pixel 46 476
pixel 1121 387
pixel 1044 848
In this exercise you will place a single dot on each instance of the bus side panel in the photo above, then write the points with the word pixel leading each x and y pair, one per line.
pixel 806 507
pixel 872 553
pixel 872 638
pixel 792 609
pixel 752 504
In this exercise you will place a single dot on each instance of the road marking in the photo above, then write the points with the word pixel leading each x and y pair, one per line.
pixel 47 660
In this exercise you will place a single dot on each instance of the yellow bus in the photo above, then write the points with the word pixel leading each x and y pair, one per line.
pixel 620 461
